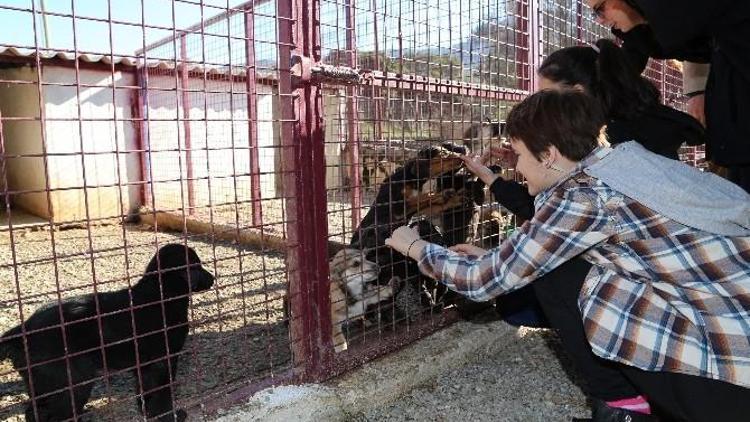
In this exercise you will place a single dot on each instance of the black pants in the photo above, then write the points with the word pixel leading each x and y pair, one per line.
pixel 672 396
pixel 740 175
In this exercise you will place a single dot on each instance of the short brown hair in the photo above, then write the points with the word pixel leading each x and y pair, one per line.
pixel 569 119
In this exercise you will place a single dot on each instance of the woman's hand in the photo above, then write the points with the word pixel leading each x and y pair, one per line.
pixel 405 240
pixel 477 166
pixel 696 108
pixel 466 249
pixel 503 155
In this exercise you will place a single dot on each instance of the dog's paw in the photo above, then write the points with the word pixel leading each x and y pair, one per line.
pixel 448 193
pixel 453 202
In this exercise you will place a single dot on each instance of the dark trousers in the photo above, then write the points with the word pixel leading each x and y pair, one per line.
pixel 740 175
pixel 521 307
pixel 672 396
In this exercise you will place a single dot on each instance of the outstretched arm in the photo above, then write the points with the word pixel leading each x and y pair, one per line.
pixel 561 230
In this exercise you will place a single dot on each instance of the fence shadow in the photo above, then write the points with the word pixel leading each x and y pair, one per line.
pixel 210 361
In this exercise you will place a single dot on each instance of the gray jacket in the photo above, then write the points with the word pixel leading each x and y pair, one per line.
pixel 675 190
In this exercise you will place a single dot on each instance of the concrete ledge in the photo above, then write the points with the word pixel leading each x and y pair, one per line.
pixel 378 382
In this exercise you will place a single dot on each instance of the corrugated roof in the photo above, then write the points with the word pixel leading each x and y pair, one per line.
pixel 46 54
pixel 27 53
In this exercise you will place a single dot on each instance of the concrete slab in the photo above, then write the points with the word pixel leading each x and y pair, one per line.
pixel 377 382
pixel 20 219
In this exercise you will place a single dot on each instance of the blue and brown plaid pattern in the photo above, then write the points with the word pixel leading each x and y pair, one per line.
pixel 661 296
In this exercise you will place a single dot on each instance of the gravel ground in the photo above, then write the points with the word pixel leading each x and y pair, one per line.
pixel 237 327
pixel 238 331
pixel 527 381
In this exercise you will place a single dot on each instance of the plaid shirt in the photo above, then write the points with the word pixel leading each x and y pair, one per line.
pixel 660 296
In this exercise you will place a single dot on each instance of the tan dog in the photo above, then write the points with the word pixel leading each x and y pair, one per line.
pixel 353 288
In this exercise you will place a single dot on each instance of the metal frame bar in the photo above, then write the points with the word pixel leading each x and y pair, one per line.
pixel 351 117
pixel 252 115
pixel 303 157
pixel 186 105
pixel 139 116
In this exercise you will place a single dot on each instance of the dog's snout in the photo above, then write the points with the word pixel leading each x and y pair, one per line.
pixel 201 279
pixel 208 278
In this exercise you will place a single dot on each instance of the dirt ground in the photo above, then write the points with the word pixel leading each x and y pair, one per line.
pixel 237 329
pixel 238 333
pixel 527 381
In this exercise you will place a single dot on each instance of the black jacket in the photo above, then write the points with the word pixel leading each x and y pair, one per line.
pixel 640 43
pixel 660 129
pixel 716 32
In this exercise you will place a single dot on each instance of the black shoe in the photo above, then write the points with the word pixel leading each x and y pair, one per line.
pixel 600 412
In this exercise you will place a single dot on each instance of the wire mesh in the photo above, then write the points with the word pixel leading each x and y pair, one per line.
pixel 129 126
pixel 440 76
pixel 377 128
pixel 136 128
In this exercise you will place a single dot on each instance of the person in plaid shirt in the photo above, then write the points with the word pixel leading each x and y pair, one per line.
pixel 665 305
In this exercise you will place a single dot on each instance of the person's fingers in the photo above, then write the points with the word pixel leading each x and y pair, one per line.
pixel 461 247
pixel 696 108
pixel 486 156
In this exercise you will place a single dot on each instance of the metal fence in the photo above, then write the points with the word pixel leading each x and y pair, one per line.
pixel 258 134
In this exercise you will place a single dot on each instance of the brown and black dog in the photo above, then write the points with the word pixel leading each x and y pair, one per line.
pixel 443 216
pixel 400 196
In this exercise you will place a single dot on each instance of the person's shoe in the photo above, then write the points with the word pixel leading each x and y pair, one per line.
pixel 600 412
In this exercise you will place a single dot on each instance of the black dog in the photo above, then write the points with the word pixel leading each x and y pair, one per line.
pixel 456 222
pixel 157 320
pixel 400 196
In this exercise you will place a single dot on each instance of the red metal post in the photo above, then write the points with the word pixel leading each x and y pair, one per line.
pixel 185 87
pixel 252 116
pixel 534 34
pixel 376 66
pixel 304 189
pixel 579 20
pixel 527 48
pixel 141 102
pixel 523 45
pixel 351 117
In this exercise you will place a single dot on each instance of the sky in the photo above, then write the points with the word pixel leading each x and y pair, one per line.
pixel 422 24
pixel 93 36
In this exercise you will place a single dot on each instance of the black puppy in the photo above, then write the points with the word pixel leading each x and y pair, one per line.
pixel 104 333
